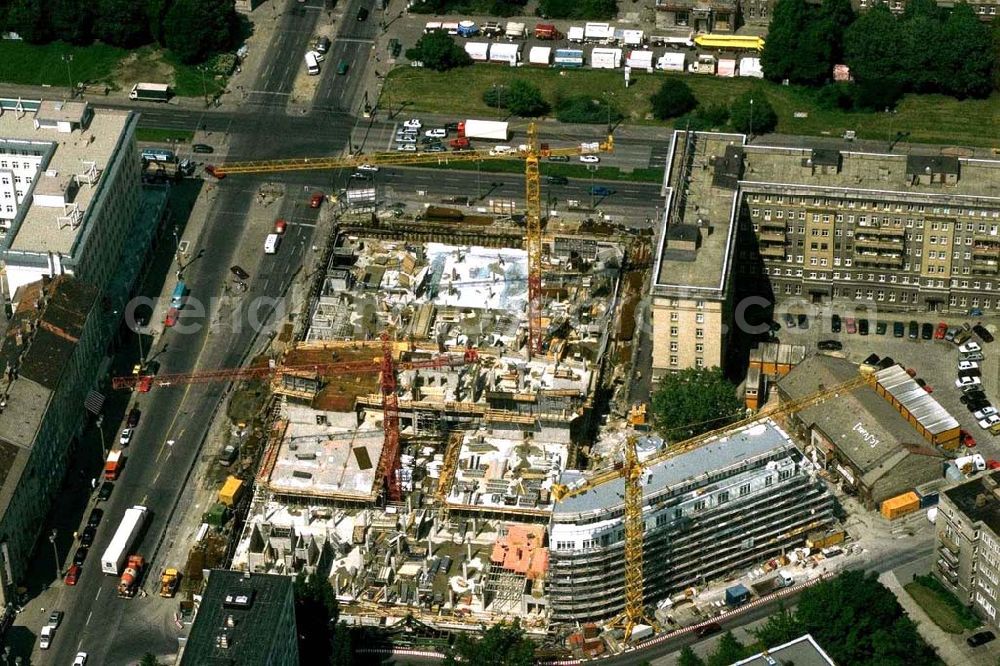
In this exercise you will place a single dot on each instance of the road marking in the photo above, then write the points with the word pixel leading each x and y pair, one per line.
pixel 89 615
pixel 99 590
pixel 156 478
pixel 143 502
pixel 267 92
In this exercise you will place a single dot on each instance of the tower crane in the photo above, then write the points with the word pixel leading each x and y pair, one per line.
pixel 529 152
pixel 385 365
pixel 632 472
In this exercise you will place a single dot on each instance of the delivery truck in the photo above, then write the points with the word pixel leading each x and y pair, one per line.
pixel 484 129
pixel 150 92
pixel 113 465
pixel 124 540
pixel 764 587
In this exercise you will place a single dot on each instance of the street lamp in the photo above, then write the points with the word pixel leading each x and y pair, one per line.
pixel 592 169
pixel 204 86
pixel 750 133
pixel 68 58
pixel 100 428
pixel 55 551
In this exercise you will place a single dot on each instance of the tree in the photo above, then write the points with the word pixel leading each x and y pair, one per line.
pixel 674 98
pixel 966 54
pixel 693 401
pixel 926 8
pixel 727 651
pixel 836 16
pixel 342 650
pixel 439 52
pixel 874 47
pixel 194 29
pixel 578 9
pixel 780 56
pixel 753 114
pixel 687 657
pixel 503 644
pixel 27 18
pixel 316 614
pixel 996 52
pixel 121 23
pixel 585 109
pixel 71 20
pixel 156 13
pixel 148 659
pixel 780 628
pixel 525 99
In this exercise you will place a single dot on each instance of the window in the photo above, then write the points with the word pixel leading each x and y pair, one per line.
pixel 673 346
pixel 699 505
pixel 673 360
pixel 744 489
pixel 673 330
pixel 699 332
pixel 699 362
pixel 673 316
pixel 723 497
pixel 699 348
pixel 699 318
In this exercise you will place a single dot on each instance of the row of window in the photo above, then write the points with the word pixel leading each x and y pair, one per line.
pixel 862 204
pixel 698 348
pixel 910 223
pixel 17 179
pixel 699 318
pixel 673 303
pixel 699 362
pixel 698 332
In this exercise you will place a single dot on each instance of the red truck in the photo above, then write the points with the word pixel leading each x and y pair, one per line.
pixel 460 143
pixel 547 31
pixel 113 465
pixel 129 582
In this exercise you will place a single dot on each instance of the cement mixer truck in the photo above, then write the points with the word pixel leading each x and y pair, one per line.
pixel 129 583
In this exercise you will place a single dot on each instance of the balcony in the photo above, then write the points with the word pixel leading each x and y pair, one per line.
pixel 771 223
pixel 771 236
pixel 949 557
pixel 873 259
pixel 949 544
pixel 774 251
pixel 865 230
pixel 950 575
pixel 882 243
pixel 984 267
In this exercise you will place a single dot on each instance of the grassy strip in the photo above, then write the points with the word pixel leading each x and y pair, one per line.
pixel 31 64
pixel 941 605
pixel 927 118
pixel 189 81
pixel 554 169
pixel 164 135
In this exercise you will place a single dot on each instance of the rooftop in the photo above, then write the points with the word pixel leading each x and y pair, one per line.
pixel 979 499
pixel 719 453
pixel 257 605
pixel 703 170
pixel 57 157
pixel 803 651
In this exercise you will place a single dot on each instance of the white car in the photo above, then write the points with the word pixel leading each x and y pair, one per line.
pixel 413 123
pixel 590 159
pixel 81 659
pixel 970 347
pixel 316 54
pixel 985 412
pixel 126 437
pixel 45 638
pixel 989 421
pixel 367 167
pixel 963 382
pixel 406 138
pixel 407 147
pixel 436 133
pixel 968 365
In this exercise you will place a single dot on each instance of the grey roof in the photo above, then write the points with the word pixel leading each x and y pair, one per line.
pixel 978 499
pixel 825 157
pixel 251 636
pixel 928 412
pixel 920 164
pixel 803 651
pixel 720 453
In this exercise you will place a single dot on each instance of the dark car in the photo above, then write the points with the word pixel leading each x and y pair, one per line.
pixel 239 272
pixel 558 158
pixel 203 148
pixel 788 319
pixel 601 191
pixel 803 321
pixel 105 492
pixel 881 327
pixel 80 556
pixel 982 638
pixel 897 329
pixel 983 334
pixel 362 14
pixel 927 331
pixel 87 536
pixel 708 629
pixel 830 345
pixel 451 127
pixel 863 326
pixel 835 323
pixel 913 330
pixel 96 515
pixel 133 417
pixel 557 180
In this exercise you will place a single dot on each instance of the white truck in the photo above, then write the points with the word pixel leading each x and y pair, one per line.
pixel 150 92
pixel 606 58
pixel 484 129
pixel 124 540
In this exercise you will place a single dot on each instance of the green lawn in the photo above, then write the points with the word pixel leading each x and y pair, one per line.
pixel 941 605
pixel 29 64
pixel 928 118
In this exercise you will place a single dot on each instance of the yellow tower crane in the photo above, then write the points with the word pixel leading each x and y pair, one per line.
pixel 632 471
pixel 530 153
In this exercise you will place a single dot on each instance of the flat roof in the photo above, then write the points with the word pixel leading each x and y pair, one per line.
pixel 928 411
pixel 979 499
pixel 696 199
pixel 725 451
pixel 250 637
pixel 65 154
pixel 802 651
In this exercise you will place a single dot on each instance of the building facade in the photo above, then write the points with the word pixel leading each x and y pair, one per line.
pixel 967 546
pixel 740 499
pixel 717 16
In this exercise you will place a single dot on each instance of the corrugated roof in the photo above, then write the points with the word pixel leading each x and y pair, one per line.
pixel 924 408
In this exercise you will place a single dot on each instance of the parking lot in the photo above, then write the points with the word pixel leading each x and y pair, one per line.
pixel 934 361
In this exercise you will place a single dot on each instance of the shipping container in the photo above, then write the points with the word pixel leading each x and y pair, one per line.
pixel 231 491
pixel 900 505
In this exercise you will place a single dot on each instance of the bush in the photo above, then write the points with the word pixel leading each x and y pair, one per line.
pixel 751 113
pixel 577 9
pixel 674 98
pixel 836 97
pixel 704 119
pixel 439 52
pixel 583 109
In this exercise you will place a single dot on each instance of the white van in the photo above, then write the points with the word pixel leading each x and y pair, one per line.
pixel 271 244
pixel 312 65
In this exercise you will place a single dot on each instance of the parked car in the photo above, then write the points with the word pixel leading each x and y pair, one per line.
pixel 983 334
pixel 708 629
pixel 557 180
pixel 927 331
pixel 316 200
pixel 788 319
pixel 80 659
pixel 438 133
pixel 984 412
pixel 989 421
pixel 73 575
pixel 87 536
pixel 436 148
pixel 830 345
pixel 558 158
pixel 125 437
pixel 371 168
pixel 881 327
pixel 362 14
pixel 852 325
pixel 55 619
pixel 104 494
pixel 981 638
pixel 835 323
pixel 967 439
pixel 406 147
pixel 961 337
pixel 96 515
pixel 863 327
pixel 950 334
pixel 971 356
pixel 590 159
pixel 968 381
pixel 81 555
pixel 802 321
pixel 239 272
pixel 203 148
pixel 413 123
pixel 133 417
pixel 968 365
pixel 940 331
pixel 913 330
pixel 970 347
pixel 898 329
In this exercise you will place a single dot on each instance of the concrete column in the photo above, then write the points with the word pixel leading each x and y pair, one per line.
pixel 465 569
pixel 430 547
pixel 468 550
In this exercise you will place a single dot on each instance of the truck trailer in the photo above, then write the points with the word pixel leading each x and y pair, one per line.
pixel 484 129
pixel 150 92
pixel 568 58
pixel 606 58
pixel 124 539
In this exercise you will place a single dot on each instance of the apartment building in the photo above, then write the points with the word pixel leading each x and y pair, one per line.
pixel 738 500
pixel 717 16
pixel 69 191
pixel 967 545
pixel 692 287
